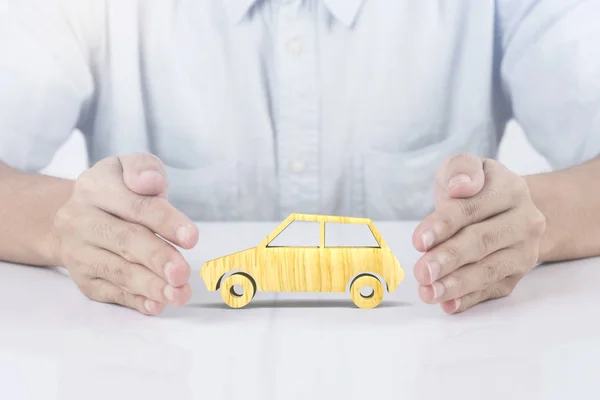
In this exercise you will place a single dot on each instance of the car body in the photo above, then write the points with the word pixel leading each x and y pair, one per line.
pixel 318 267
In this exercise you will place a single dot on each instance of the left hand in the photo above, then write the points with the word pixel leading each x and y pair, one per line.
pixel 482 238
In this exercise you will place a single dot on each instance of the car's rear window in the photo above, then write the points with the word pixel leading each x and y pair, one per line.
pixel 349 235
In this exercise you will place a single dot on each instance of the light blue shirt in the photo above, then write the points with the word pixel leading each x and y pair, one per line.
pixel 263 108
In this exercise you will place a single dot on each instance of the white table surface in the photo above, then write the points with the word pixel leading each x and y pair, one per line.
pixel 542 342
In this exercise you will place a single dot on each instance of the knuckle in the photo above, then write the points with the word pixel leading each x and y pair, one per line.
pixel 158 255
pixel 109 161
pixel 448 160
pixel 140 206
pixel 100 268
pixel 490 272
pixel 462 307
pixel 508 230
pixel 456 284
pixel 506 289
pixel 108 165
pixel 155 288
pixel 452 253
pixel 87 288
pixel 86 185
pixel 470 208
pixel 124 237
pixel 461 158
pixel 537 223
pixel 446 222
pixel 98 228
pixel 159 212
pixel 162 213
pixel 123 298
pixel 145 160
pixel 497 292
pixel 506 267
pixel 120 274
pixel 486 241
pixel 501 290
pixel 530 258
pixel 490 194
pixel 533 259
pixel 456 163
pixel 112 296
pixel 150 157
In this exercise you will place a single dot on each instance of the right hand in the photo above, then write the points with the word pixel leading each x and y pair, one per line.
pixel 108 235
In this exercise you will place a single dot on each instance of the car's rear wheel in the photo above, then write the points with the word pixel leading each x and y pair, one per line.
pixel 237 290
pixel 366 291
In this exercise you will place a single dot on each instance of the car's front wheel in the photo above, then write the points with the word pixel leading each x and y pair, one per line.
pixel 366 291
pixel 237 290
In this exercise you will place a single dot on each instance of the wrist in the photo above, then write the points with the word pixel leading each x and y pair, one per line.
pixel 52 250
pixel 545 199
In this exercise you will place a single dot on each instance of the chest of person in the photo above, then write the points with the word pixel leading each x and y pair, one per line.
pixel 291 111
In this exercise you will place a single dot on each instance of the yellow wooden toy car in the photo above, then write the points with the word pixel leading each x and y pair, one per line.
pixel 309 253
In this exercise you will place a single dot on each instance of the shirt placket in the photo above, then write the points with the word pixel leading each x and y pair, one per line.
pixel 297 109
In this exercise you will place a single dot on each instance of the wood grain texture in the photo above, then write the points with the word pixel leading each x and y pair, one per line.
pixel 369 300
pixel 309 269
pixel 229 292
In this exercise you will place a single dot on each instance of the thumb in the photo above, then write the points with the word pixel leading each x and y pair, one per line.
pixel 460 176
pixel 144 174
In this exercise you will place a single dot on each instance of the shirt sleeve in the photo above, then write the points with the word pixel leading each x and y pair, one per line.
pixel 45 80
pixel 551 73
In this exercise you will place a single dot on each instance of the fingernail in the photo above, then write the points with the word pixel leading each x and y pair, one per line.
pixel 170 293
pixel 150 174
pixel 176 275
pixel 148 306
pixel 169 271
pixel 438 290
pixel 461 178
pixel 183 233
pixel 434 270
pixel 456 304
pixel 427 238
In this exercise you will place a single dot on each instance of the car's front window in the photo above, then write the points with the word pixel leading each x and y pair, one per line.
pixel 349 235
pixel 298 234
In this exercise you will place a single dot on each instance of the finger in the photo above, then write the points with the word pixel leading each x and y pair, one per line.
pixel 134 278
pixel 144 174
pixel 156 214
pixel 473 277
pixel 499 290
pixel 104 188
pixel 105 292
pixel 136 244
pixel 459 176
pixel 470 245
pixel 501 193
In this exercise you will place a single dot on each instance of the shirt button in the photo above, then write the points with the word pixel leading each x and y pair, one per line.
pixel 298 166
pixel 294 46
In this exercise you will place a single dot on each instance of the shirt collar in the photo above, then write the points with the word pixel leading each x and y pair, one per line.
pixel 344 10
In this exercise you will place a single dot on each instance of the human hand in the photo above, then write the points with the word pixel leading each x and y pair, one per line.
pixel 482 238
pixel 108 235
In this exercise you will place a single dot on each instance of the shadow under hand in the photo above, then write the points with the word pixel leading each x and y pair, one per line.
pixel 298 304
